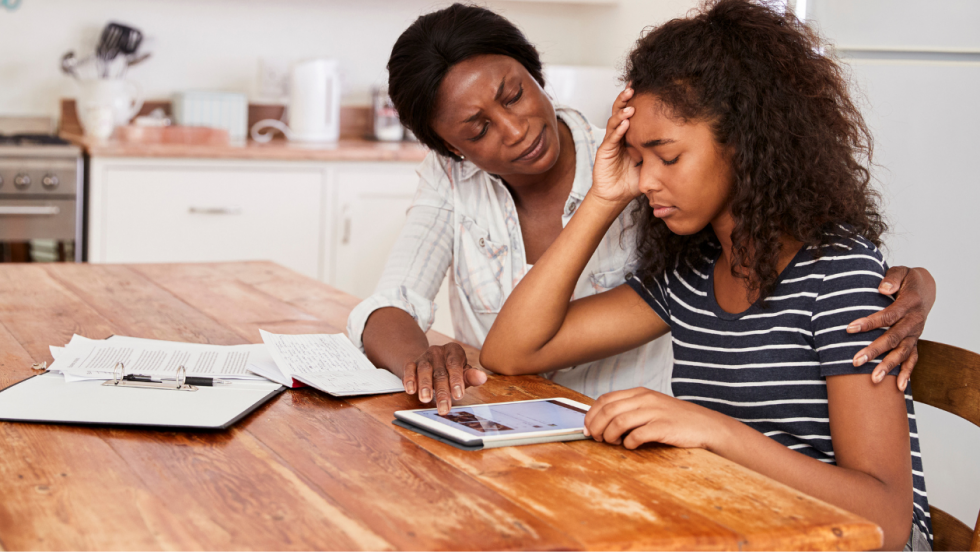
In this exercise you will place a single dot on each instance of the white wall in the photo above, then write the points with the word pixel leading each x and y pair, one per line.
pixel 216 44
pixel 918 66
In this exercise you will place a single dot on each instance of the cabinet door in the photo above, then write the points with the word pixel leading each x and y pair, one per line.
pixel 197 213
pixel 372 200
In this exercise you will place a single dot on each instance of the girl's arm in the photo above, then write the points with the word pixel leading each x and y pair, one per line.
pixel 538 329
pixel 873 476
pixel 868 424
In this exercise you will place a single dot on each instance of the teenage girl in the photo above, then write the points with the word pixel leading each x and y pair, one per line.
pixel 758 235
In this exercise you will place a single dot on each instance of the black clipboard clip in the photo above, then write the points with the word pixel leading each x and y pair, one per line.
pixel 119 375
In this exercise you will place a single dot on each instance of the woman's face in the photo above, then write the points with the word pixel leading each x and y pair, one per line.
pixel 491 111
pixel 684 172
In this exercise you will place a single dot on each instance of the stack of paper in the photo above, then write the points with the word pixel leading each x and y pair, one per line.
pixel 87 359
pixel 328 362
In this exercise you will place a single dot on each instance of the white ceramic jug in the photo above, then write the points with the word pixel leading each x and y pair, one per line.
pixel 314 104
pixel 104 104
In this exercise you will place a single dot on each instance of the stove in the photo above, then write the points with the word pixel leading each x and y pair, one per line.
pixel 41 193
pixel 32 139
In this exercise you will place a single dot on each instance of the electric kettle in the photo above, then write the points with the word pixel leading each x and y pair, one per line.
pixel 314 105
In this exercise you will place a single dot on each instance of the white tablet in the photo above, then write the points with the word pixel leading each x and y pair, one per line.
pixel 503 424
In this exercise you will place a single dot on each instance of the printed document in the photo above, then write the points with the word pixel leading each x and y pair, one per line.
pixel 85 358
pixel 328 362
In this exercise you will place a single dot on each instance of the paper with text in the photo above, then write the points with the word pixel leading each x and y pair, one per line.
pixel 85 358
pixel 358 382
pixel 330 363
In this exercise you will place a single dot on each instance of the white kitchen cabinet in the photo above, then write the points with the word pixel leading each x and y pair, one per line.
pixel 372 200
pixel 147 210
pixel 334 221
pixel 371 205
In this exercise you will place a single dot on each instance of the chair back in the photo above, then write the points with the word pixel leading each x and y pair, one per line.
pixel 948 377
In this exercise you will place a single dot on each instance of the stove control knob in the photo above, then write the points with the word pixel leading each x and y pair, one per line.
pixel 22 181
pixel 50 181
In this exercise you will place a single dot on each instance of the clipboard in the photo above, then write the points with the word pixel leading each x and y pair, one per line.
pixel 46 398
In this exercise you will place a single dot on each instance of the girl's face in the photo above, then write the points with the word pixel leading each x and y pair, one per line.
pixel 491 111
pixel 684 172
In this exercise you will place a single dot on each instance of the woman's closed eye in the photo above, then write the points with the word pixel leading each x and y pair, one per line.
pixel 512 101
pixel 483 132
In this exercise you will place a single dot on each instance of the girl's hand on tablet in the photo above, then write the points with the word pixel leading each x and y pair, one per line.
pixel 636 416
pixel 615 177
pixel 441 372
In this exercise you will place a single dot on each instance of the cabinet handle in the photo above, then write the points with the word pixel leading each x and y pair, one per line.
pixel 215 210
pixel 346 237
pixel 47 210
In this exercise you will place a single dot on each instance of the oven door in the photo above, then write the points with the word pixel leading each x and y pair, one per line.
pixel 37 230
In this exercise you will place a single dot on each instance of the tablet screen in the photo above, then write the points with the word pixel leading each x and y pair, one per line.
pixel 502 419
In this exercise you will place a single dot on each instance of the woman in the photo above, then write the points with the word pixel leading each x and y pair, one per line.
pixel 506 172
pixel 753 252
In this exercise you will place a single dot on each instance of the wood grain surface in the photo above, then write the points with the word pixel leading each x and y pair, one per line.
pixel 308 471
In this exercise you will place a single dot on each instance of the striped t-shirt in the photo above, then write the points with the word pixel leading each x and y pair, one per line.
pixel 767 365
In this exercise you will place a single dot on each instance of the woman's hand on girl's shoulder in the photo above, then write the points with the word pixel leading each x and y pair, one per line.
pixel 636 416
pixel 615 177
pixel 915 293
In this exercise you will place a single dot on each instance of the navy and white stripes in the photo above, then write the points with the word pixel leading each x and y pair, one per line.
pixel 767 366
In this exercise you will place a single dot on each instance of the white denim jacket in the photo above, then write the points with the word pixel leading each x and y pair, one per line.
pixel 463 220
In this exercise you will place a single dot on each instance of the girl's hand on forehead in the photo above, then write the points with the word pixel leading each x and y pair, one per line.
pixel 615 177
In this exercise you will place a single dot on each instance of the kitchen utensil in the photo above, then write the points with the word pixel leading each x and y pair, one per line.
pixel 115 39
pixel 69 64
pixel 314 104
pixel 80 68
pixel 136 60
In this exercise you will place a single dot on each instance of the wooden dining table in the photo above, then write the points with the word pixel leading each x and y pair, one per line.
pixel 309 471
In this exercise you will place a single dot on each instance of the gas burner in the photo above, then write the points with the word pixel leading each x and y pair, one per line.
pixel 32 140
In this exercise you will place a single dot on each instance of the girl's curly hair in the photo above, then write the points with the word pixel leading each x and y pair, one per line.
pixel 800 149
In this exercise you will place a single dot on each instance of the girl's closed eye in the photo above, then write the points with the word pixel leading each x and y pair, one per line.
pixel 672 161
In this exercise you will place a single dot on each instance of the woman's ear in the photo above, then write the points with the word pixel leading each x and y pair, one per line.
pixel 453 150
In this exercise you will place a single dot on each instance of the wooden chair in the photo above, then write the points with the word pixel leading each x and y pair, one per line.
pixel 948 377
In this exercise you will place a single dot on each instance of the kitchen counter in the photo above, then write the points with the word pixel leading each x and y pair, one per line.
pixel 343 150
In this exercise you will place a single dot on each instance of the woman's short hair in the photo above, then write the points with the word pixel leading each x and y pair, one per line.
pixel 436 41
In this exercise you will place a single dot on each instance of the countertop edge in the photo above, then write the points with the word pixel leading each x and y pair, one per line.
pixel 346 149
